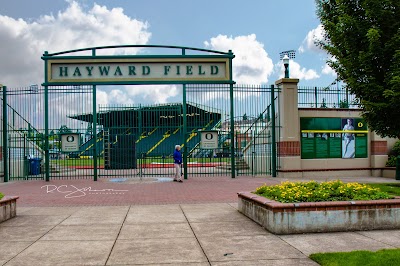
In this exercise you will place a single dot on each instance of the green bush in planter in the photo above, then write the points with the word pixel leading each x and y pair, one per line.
pixel 1 195
pixel 313 191
pixel 391 162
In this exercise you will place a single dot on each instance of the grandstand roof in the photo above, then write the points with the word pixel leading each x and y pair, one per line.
pixel 149 115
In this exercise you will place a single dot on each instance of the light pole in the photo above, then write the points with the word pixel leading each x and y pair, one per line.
pixel 285 56
pixel 285 60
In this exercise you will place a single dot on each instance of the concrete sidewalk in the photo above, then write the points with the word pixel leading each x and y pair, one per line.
pixel 185 234
pixel 159 223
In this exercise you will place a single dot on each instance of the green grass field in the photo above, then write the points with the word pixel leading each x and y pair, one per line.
pixel 387 257
pixel 391 188
pixel 100 162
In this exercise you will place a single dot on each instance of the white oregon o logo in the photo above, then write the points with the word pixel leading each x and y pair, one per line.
pixel 209 136
pixel 70 138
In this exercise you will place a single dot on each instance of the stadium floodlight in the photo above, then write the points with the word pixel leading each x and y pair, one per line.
pixel 290 53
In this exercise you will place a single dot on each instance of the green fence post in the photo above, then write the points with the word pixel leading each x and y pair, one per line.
pixel 46 133
pixel 94 88
pixel 94 133
pixel 316 97
pixel 232 133
pixel 273 133
pixel 184 107
pixel 5 136
pixel 46 122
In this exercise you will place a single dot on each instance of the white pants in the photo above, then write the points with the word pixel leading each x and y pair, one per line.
pixel 177 171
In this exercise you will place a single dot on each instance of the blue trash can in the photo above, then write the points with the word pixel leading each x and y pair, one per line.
pixel 34 166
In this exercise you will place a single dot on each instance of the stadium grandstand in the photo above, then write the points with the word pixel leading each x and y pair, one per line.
pixel 146 131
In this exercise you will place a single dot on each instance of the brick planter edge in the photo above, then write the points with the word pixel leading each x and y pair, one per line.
pixel 314 217
pixel 8 208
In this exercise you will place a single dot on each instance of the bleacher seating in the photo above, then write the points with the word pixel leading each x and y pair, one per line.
pixel 87 148
pixel 152 142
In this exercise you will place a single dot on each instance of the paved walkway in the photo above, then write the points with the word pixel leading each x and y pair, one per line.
pixel 157 223
pixel 106 192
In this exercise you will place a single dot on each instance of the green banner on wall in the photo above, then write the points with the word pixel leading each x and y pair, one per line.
pixel 333 138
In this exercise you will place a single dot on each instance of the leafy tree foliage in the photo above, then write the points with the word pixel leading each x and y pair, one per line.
pixel 64 129
pixel 363 38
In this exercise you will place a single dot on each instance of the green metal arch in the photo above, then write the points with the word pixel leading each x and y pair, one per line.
pixel 182 48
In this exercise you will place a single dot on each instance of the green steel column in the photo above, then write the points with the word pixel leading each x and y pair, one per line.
pixel 94 128
pixel 232 133
pixel 46 132
pixel 140 126
pixel 46 122
pixel 316 97
pixel 273 132
pixel 94 134
pixel 5 135
pixel 184 107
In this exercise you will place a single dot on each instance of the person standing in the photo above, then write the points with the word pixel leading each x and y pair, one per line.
pixel 178 163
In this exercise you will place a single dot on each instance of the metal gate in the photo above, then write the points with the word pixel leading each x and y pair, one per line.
pixel 138 140
pixel 251 131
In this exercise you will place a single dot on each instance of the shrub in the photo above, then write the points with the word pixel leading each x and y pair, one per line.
pixel 395 151
pixel 1 195
pixel 343 104
pixel 391 162
pixel 326 191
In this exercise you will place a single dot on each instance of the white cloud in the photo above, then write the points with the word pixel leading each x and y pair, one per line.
pixel 23 42
pixel 138 94
pixel 296 71
pixel 101 97
pixel 327 70
pixel 251 64
pixel 313 36
pixel 155 93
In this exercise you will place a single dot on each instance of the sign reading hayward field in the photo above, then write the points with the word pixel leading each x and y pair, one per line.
pixel 69 142
pixel 209 140
pixel 333 138
pixel 138 70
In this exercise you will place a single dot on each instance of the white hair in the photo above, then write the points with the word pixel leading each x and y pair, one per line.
pixel 177 146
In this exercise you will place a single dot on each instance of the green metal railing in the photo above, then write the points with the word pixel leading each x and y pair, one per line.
pixel 136 140
pixel 326 97
pixel 251 105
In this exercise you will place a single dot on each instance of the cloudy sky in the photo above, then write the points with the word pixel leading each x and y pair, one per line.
pixel 256 31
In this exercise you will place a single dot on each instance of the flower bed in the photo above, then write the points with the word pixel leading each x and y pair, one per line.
pixel 8 208
pixel 313 191
pixel 350 214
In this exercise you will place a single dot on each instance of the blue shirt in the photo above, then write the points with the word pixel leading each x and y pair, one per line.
pixel 177 157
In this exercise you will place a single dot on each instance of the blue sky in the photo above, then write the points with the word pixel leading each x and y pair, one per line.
pixel 257 31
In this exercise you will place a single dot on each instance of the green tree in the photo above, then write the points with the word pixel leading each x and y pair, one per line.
pixel 64 129
pixel 363 38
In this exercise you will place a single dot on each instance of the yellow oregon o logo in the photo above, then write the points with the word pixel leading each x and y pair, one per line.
pixel 360 124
